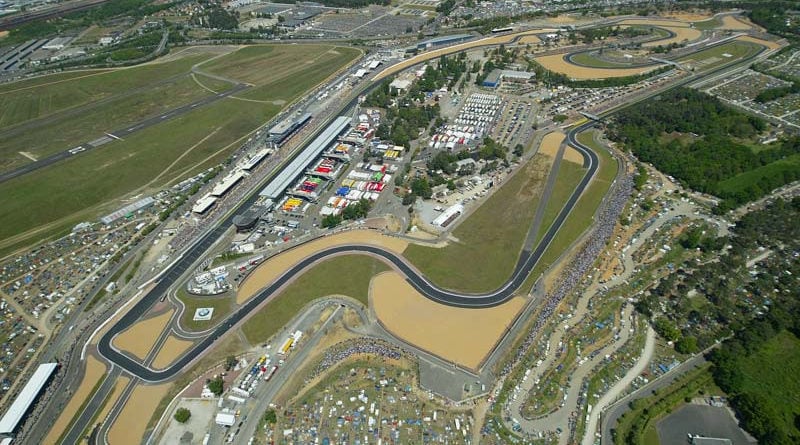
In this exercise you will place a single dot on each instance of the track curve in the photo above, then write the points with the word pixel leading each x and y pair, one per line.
pixel 523 268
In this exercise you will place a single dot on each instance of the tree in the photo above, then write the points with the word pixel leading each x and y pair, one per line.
pixel 686 345
pixel 270 416
pixel 216 386
pixel 666 329
pixel 230 362
pixel 182 415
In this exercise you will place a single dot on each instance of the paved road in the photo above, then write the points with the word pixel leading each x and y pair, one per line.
pixel 119 134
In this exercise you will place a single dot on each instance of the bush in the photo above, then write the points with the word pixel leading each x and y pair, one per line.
pixel 182 415
pixel 216 386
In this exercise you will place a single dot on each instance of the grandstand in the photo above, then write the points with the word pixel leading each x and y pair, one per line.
pixel 24 401
pixel 285 129
pixel 128 210
pixel 281 182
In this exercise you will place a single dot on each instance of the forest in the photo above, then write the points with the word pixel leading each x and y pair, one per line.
pixel 752 303
pixel 707 146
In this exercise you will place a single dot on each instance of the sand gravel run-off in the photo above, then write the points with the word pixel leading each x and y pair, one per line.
pixel 129 426
pixel 428 55
pixel 762 42
pixel 557 63
pixel 690 16
pixel 463 336
pixel 271 269
pixel 735 24
pixel 94 371
pixel 119 387
pixel 572 155
pixel 551 142
pixel 172 348
pixel 681 35
pixel 140 338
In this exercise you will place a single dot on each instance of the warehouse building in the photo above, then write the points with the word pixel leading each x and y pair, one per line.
pixel 496 77
pixel 444 40
pixel 129 209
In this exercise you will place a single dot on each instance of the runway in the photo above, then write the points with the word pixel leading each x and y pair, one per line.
pixel 119 134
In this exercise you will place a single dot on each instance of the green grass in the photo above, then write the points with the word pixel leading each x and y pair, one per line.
pixel 269 66
pixel 55 198
pixel 706 25
pixel 772 373
pixel 737 50
pixel 41 96
pixel 110 116
pixel 490 239
pixel 222 304
pixel 345 275
pixel 747 180
pixel 581 215
pixel 587 59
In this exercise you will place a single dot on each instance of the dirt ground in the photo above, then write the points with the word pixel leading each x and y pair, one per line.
pixel 463 336
pixel 172 348
pixel 767 43
pixel 203 411
pixel 94 371
pixel 271 269
pixel 734 23
pixel 658 23
pixel 140 338
pixel 130 425
pixel 557 63
pixel 529 39
pixel 550 143
pixel 572 155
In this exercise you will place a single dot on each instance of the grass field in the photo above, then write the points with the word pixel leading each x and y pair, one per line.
pixel 715 57
pixel 772 373
pixel 49 201
pixel 222 305
pixel 747 180
pixel 268 66
pixel 345 275
pixel 582 214
pixel 588 59
pixel 113 115
pixel 490 239
pixel 709 24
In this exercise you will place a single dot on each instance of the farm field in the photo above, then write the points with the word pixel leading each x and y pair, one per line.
pixel 511 208
pixel 348 275
pixel 81 188
pixel 459 335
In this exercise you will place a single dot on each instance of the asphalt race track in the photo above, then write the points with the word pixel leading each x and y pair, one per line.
pixel 119 134
pixel 524 266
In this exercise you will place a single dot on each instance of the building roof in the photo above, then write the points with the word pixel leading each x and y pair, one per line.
pixel 130 208
pixel 710 441
pixel 441 40
pixel 203 204
pixel 26 397
pixel 277 186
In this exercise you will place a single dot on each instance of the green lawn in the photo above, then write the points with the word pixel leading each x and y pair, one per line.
pixel 222 305
pixel 114 115
pixel 345 275
pixel 48 202
pixel 490 239
pixel 709 24
pixel 30 99
pixel 590 60
pixel 713 57
pixel 582 214
pixel 268 67
pixel 772 373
